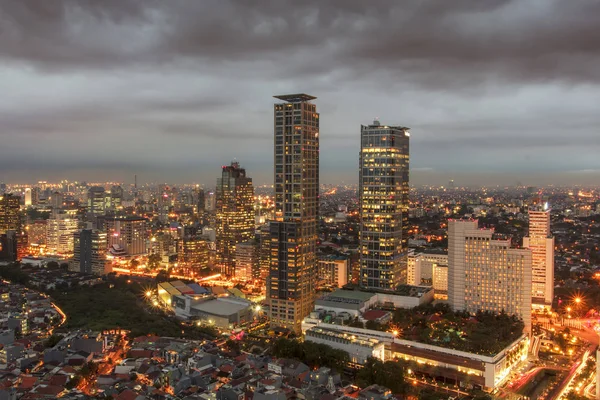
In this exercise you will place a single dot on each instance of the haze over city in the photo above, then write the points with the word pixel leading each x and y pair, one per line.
pixel 495 92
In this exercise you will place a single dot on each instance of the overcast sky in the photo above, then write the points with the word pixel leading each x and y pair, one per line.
pixel 494 91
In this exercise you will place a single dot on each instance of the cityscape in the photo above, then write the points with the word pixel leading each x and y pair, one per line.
pixel 303 270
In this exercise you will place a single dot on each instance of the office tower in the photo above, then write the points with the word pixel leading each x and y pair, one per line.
pixel 89 252
pixel 61 226
pixel 264 252
pixel 193 254
pixel 13 245
pixel 246 260
pixel 116 197
pixel 96 200
pixel 485 273
pixel 383 196
pixel 129 233
pixel 291 280
pixel 9 213
pixel 234 214
pixel 541 244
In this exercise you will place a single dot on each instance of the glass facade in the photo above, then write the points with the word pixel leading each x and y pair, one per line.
pixel 293 233
pixel 383 191
pixel 235 214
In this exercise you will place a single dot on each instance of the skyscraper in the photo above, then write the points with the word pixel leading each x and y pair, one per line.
pixel 541 244
pixel 89 252
pixel 383 193
pixel 293 237
pixel 9 213
pixel 485 273
pixel 234 214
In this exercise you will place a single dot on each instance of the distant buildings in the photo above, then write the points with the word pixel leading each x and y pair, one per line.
pixel 96 201
pixel 383 192
pixel 541 244
pixel 89 252
pixel 291 280
pixel 485 273
pixel 9 213
pixel 129 233
pixel 234 214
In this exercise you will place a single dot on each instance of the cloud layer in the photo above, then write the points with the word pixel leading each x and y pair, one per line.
pixel 173 90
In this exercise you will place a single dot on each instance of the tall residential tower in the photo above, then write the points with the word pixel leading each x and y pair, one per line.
pixel 293 232
pixel 235 214
pixel 541 244
pixel 383 192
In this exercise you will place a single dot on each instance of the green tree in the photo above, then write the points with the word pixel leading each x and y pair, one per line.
pixel 153 262
pixel 373 325
pixel 52 341
pixel 162 276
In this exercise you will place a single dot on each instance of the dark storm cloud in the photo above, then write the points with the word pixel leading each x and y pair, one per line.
pixel 427 42
pixel 189 82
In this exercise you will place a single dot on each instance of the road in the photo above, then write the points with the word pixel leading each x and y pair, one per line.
pixel 560 390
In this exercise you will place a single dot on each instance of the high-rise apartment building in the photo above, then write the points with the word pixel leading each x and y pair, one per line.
pixel 541 244
pixel 96 201
pixel 291 280
pixel 10 220
pixel 246 260
pixel 128 232
pixel 234 214
pixel 383 192
pixel 486 273
pixel 89 252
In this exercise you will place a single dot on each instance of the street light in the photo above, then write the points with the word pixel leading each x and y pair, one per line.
pixel 148 293
pixel 577 300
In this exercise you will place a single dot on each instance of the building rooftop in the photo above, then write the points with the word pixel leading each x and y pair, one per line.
pixel 342 336
pixel 348 296
pixel 412 291
pixel 295 98
pixel 222 307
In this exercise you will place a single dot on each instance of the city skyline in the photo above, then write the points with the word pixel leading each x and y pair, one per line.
pixel 514 103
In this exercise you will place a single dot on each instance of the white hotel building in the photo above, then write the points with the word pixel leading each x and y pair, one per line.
pixel 486 273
